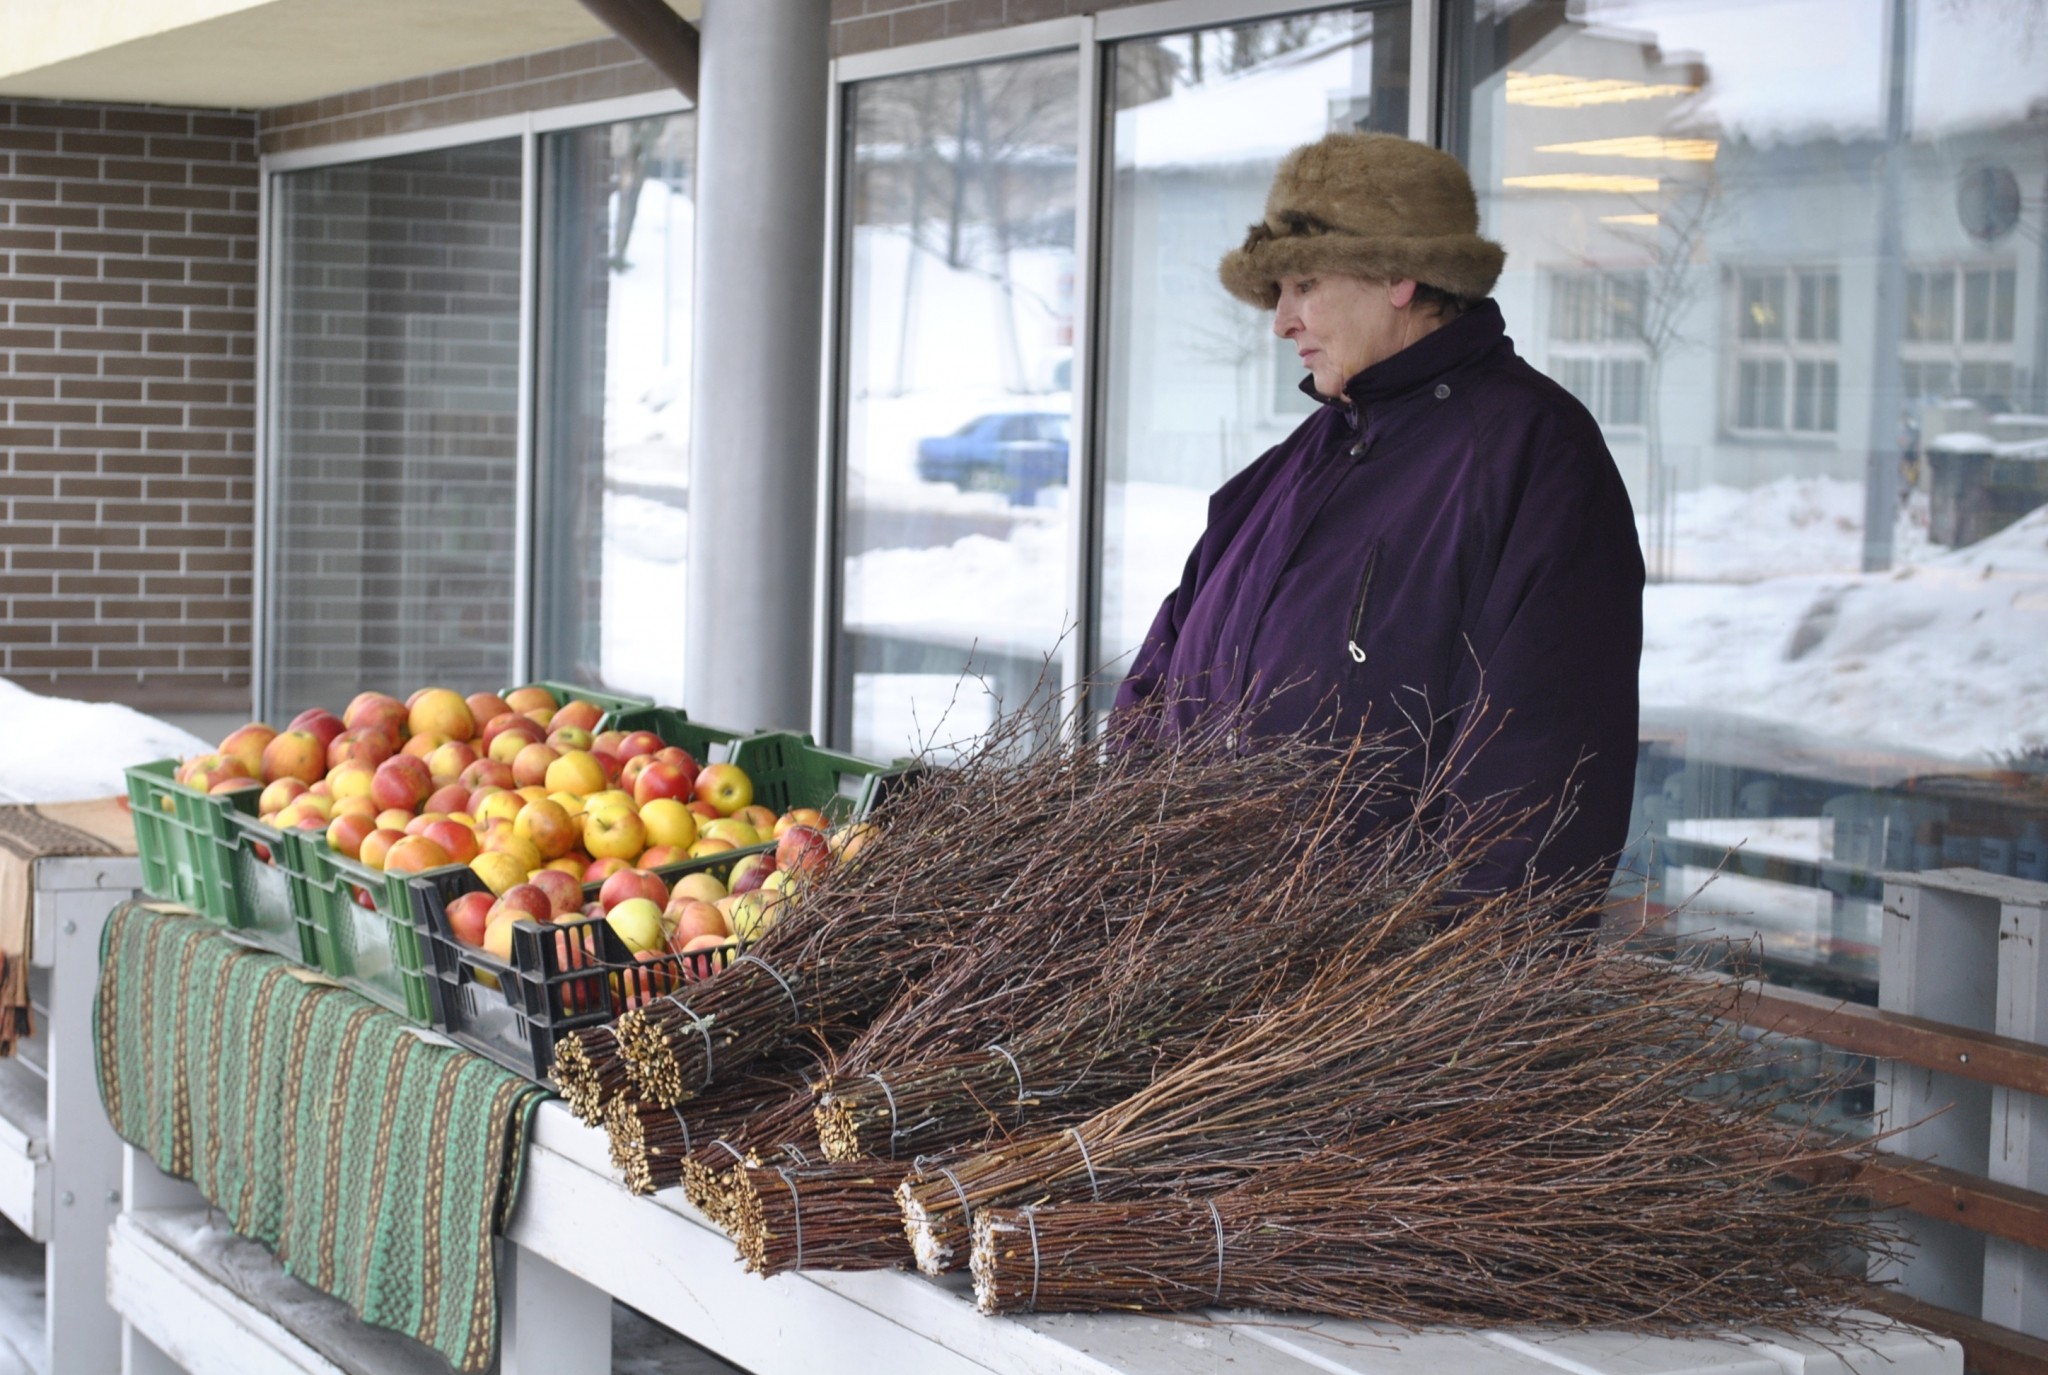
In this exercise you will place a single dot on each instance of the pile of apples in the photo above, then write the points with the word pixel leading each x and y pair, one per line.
pixel 517 788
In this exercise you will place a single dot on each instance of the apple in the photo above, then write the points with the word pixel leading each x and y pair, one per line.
pixel 235 785
pixel 748 872
pixel 529 900
pixel 598 870
pixel 783 885
pixel 609 763
pixel 733 829
pixel 507 744
pixel 699 886
pixel 371 747
pixel 608 741
pixel 401 781
pixel 483 706
pixel 502 840
pixel 551 829
pixel 354 806
pixel 449 761
pixel 573 772
pixel 693 918
pixel 378 845
pixel 578 714
pixel 276 795
pixel 487 773
pixel 566 738
pixel 802 816
pixel 296 754
pixel 394 818
pixel 563 891
pixel 759 817
pixel 530 765
pixel 530 697
pixel 632 883
pixel 680 757
pixel 637 922
pixel 533 792
pixel 208 770
pixel 375 711
pixel 750 915
pixel 449 797
pixel 658 780
pixel 724 786
pixel 441 711
pixel 297 816
pixel 469 916
pixel 703 811
pixel 707 846
pixel 499 872
pixel 320 723
pixel 346 834
pixel 668 822
pixel 457 839
pixel 498 937
pixel 614 831
pixel 424 744
pixel 246 744
pixel 507 721
pixel 573 864
pixel 653 857
pixel 703 957
pixel 848 841
pixel 802 850
pixel 414 854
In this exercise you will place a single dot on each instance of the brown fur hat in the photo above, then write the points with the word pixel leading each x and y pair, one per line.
pixel 1370 205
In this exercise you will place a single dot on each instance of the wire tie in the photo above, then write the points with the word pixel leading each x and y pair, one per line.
pixel 688 1149
pixel 703 1026
pixel 795 1152
pixel 1217 1218
pixel 796 1012
pixel 893 1133
pixel 966 1211
pixel 796 1213
pixel 1093 1187
pixel 731 1150
pixel 1031 1306
pixel 1003 1051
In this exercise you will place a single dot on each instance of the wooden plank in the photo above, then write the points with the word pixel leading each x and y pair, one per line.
pixel 1979 1055
pixel 1982 1205
pixel 1988 1349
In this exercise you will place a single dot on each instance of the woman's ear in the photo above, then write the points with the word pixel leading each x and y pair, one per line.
pixel 1401 292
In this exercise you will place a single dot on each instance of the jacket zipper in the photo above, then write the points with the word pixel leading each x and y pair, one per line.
pixel 1372 558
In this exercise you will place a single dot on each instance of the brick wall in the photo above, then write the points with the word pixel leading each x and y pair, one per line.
pixel 127 395
pixel 860 26
pixel 599 70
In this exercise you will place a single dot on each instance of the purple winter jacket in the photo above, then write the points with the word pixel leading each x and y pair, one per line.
pixel 1453 522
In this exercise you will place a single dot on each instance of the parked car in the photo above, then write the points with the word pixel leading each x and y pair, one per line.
pixel 1017 452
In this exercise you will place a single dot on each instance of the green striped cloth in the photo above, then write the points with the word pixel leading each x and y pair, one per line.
pixel 378 1167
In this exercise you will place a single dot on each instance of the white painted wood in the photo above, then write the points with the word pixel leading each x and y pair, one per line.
pixel 25 1149
pixel 1938 959
pixel 550 1322
pixel 85 1164
pixel 2016 1276
pixel 192 1320
pixel 140 1356
pixel 145 1188
pixel 1884 1348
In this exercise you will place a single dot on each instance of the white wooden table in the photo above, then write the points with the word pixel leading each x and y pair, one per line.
pixel 60 1163
pixel 579 1240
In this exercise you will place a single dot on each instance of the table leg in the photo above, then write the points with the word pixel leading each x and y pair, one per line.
pixel 144 1187
pixel 549 1321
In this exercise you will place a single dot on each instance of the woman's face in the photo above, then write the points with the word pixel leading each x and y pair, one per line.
pixel 1343 325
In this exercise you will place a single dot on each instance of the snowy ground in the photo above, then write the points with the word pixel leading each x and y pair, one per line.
pixel 58 750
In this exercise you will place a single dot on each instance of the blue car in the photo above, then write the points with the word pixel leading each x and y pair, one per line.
pixel 1016 452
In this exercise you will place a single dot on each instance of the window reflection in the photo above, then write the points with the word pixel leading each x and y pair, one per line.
pixel 957 394
pixel 612 456
pixel 1194 386
pixel 1833 256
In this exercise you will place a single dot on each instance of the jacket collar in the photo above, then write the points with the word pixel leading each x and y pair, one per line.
pixel 1464 340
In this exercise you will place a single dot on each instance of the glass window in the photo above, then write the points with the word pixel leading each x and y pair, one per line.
pixel 1837 472
pixel 395 352
pixel 612 433
pixel 958 319
pixel 1193 388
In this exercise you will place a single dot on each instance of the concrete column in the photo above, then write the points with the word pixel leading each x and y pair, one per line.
pixel 761 215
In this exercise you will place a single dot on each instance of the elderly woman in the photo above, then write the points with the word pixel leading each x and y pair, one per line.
pixel 1447 526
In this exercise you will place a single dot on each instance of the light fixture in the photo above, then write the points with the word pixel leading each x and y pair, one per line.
pixel 1613 183
pixel 1648 220
pixel 1557 91
pixel 1639 146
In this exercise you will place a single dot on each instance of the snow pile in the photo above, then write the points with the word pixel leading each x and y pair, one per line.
pixel 59 750
pixel 1786 526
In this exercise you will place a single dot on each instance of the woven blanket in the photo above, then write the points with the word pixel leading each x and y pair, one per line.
pixel 29 833
pixel 377 1166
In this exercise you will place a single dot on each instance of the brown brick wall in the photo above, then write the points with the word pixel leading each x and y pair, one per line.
pixel 127 402
pixel 860 26
pixel 598 70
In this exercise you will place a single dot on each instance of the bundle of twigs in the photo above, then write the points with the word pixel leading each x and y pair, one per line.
pixel 580 1067
pixel 1568 1222
pixel 1491 1014
pixel 657 1148
pixel 819 1216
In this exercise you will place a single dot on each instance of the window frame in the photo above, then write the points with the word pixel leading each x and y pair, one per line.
pixel 528 128
pixel 1958 351
pixel 1788 350
pixel 1601 349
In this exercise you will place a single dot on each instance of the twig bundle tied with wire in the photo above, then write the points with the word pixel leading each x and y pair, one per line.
pixel 1491 1019
pixel 820 1216
pixel 1564 1223
pixel 657 1148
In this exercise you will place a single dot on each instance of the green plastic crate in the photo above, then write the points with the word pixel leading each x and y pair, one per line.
pixel 675 727
pixel 362 926
pixel 186 845
pixel 789 770
pixel 270 904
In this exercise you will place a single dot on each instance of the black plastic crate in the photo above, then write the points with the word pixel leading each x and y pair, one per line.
pixel 564 976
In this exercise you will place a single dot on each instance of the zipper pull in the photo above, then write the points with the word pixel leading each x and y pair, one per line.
pixel 1357 654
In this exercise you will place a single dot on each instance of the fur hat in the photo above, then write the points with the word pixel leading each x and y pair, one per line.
pixel 1370 205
